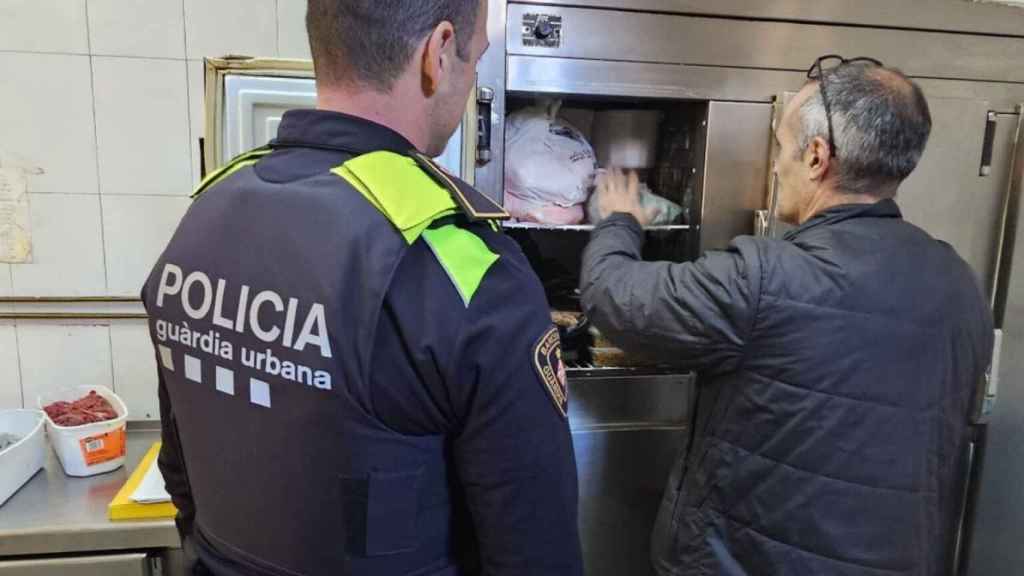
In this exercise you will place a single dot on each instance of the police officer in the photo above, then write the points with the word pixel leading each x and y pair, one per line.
pixel 358 372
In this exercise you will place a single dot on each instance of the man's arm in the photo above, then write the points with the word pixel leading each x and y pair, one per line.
pixel 696 314
pixel 172 464
pixel 513 450
pixel 170 460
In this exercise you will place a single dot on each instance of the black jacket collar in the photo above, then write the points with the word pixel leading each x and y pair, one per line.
pixel 882 209
pixel 327 130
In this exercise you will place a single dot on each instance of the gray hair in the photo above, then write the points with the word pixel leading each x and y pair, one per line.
pixel 880 121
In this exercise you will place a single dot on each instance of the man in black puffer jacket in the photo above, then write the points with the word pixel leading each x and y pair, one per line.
pixel 837 365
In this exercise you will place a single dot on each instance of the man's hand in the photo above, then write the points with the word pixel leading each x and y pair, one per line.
pixel 617 192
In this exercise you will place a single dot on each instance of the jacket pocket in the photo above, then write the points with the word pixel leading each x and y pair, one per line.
pixel 380 512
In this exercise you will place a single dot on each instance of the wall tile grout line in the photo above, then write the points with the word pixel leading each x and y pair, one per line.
pixel 21 372
pixel 277 27
pixel 192 165
pixel 42 52
pixel 113 194
pixel 110 346
pixel 184 28
pixel 98 55
pixel 96 150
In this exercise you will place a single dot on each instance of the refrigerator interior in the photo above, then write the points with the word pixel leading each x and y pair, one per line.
pixel 672 168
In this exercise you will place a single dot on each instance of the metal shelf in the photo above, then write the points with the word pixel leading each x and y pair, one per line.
pixel 584 227
pixel 591 371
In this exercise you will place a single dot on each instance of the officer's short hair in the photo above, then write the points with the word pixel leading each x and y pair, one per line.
pixel 371 41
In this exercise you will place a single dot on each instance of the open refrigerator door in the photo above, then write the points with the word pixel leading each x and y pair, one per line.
pixel 245 99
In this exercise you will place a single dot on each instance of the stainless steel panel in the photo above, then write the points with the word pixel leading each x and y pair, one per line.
pixel 174 563
pixel 489 178
pixel 1002 97
pixel 622 478
pixel 627 433
pixel 644 80
pixel 951 15
pixel 56 514
pixel 1000 514
pixel 637 79
pixel 629 402
pixel 736 170
pixel 661 38
pixel 116 565
pixel 947 197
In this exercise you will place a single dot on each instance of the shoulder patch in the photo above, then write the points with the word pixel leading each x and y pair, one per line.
pixel 474 204
pixel 547 360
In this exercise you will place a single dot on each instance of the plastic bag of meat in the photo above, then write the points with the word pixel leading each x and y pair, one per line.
pixel 89 409
pixel 549 167
pixel 668 212
pixel 553 214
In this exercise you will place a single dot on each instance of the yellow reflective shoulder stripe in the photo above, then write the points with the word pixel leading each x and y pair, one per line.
pixel 356 183
pixel 463 255
pixel 396 186
pixel 247 159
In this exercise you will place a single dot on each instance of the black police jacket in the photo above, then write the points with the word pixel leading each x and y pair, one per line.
pixel 357 374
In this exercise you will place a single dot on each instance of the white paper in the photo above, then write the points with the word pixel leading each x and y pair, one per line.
pixel 15 235
pixel 151 490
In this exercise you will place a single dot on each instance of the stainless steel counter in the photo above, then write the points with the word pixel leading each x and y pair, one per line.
pixel 56 514
pixel 627 432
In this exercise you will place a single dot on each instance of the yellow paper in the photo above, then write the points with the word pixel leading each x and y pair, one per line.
pixel 122 507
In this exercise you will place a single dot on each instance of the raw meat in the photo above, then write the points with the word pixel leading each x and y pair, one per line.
pixel 550 214
pixel 89 409
pixel 549 167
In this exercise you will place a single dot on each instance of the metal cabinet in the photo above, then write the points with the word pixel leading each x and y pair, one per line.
pixel 104 565
pixel 627 432
pixel 736 169
pixel 951 194
pixel 996 545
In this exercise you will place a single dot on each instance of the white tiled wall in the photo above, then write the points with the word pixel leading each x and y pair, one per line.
pixel 52 356
pixel 10 378
pixel 48 120
pixel 291 29
pixel 142 126
pixel 135 231
pixel 196 112
pixel 5 282
pixel 44 26
pixel 67 248
pixel 134 369
pixel 251 27
pixel 140 28
pixel 106 98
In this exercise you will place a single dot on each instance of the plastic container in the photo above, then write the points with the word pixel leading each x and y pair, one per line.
pixel 20 461
pixel 89 449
